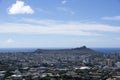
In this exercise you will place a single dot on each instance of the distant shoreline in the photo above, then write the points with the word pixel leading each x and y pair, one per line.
pixel 106 50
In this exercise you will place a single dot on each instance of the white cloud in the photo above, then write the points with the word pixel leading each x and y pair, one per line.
pixel 9 40
pixel 58 27
pixel 64 2
pixel 20 8
pixel 67 10
pixel 112 18
pixel 44 22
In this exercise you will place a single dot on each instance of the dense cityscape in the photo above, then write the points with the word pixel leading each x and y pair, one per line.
pixel 62 64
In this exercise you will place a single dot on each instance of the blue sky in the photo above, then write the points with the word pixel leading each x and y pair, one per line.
pixel 59 23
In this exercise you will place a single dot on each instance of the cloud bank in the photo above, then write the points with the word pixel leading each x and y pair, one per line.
pixel 57 27
pixel 20 8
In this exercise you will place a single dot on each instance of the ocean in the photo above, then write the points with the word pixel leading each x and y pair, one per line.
pixel 3 50
pixel 107 50
pixel 104 50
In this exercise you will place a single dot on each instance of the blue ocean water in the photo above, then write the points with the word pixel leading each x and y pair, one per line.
pixel 104 50
pixel 107 50
pixel 3 50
